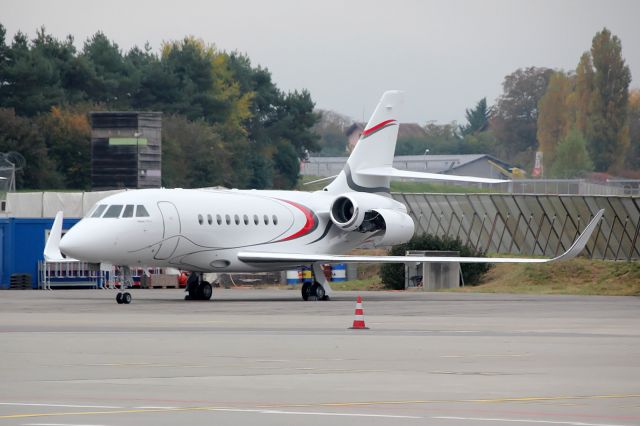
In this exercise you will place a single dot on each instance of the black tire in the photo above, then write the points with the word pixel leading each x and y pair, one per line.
pixel 119 298
pixel 305 290
pixel 126 298
pixel 318 291
pixel 205 291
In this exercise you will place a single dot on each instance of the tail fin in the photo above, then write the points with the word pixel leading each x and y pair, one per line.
pixel 375 149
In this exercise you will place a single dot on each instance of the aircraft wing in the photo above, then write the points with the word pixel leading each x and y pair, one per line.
pixel 293 258
pixel 395 173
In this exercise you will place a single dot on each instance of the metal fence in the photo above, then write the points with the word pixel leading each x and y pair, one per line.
pixel 544 225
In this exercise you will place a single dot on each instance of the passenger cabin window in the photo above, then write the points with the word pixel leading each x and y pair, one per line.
pixel 236 218
pixel 245 219
pixel 141 211
pixel 98 212
pixel 266 219
pixel 256 220
pixel 227 219
pixel 219 219
pixel 209 219
pixel 128 210
pixel 113 211
pixel 275 219
pixel 200 219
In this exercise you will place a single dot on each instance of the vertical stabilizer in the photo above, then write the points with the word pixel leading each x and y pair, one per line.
pixel 375 148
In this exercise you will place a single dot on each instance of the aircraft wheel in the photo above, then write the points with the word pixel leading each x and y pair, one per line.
pixel 126 298
pixel 205 291
pixel 305 290
pixel 318 291
pixel 119 298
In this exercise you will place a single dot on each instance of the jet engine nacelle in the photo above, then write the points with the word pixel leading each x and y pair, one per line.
pixel 398 227
pixel 363 212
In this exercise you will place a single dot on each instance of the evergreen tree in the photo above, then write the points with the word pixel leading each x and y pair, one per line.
pixel 477 118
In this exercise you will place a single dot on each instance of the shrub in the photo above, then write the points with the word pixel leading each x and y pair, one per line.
pixel 392 274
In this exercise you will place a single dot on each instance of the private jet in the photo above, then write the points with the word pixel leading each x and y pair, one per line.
pixel 225 231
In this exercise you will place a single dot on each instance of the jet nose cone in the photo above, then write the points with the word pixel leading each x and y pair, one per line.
pixel 71 244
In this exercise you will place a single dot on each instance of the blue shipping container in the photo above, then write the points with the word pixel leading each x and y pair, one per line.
pixel 22 244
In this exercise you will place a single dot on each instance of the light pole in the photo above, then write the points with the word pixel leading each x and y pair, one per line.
pixel 426 162
pixel 137 136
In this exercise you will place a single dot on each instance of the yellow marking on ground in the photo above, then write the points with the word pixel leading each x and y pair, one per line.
pixel 325 404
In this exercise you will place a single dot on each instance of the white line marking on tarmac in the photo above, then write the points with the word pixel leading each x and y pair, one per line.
pixel 155 408
pixel 312 413
pixel 56 424
pixel 29 404
pixel 551 422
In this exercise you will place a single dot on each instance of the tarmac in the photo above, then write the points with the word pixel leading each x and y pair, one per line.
pixel 265 357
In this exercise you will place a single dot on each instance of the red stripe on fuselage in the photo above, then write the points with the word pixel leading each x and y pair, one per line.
pixel 310 225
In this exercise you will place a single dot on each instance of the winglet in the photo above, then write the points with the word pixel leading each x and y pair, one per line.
pixel 52 247
pixel 580 243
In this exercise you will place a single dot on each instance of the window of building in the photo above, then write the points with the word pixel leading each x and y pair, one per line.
pixel 128 210
pixel 113 211
pixel 98 212
pixel 141 211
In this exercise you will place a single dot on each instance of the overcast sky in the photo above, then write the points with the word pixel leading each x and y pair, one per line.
pixel 445 54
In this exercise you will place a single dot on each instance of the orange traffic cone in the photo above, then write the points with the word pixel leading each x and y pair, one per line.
pixel 358 322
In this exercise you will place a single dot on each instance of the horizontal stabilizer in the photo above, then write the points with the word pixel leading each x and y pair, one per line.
pixel 295 258
pixel 395 173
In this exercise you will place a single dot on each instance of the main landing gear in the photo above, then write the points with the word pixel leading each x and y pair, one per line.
pixel 319 289
pixel 197 288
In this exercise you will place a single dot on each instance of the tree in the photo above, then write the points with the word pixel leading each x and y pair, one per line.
pixel 67 135
pixel 555 115
pixel 31 81
pixel 633 159
pixel 477 118
pixel 608 136
pixel 109 78
pixel 194 155
pixel 583 93
pixel 516 115
pixel 331 130
pixel 572 157
pixel 20 135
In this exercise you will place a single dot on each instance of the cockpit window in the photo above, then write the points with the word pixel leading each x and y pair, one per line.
pixel 128 210
pixel 113 211
pixel 141 211
pixel 98 212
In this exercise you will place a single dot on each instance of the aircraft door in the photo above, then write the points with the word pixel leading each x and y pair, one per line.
pixel 172 228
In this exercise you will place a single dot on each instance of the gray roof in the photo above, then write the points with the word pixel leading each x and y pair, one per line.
pixel 429 163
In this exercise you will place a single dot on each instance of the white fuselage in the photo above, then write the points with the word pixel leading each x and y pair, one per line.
pixel 203 230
